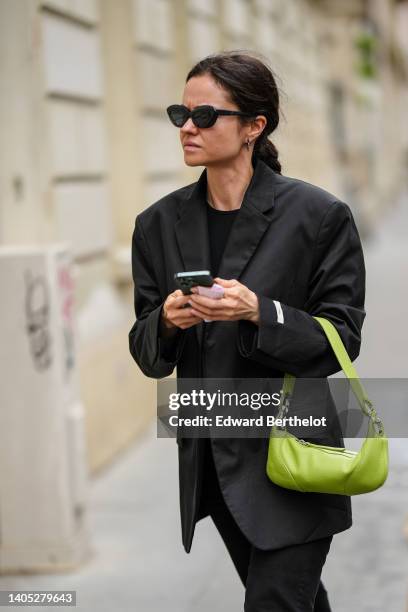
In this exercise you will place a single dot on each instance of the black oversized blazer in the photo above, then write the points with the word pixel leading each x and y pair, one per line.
pixel 292 242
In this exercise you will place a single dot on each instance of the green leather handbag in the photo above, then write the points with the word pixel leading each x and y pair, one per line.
pixel 303 466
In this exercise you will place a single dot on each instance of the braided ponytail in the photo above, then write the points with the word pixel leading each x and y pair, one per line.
pixel 265 149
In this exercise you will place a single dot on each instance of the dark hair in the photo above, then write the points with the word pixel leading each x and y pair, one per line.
pixel 251 85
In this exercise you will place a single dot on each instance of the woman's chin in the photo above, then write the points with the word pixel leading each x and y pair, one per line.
pixel 193 160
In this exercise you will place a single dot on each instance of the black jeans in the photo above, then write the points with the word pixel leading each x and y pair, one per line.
pixel 283 580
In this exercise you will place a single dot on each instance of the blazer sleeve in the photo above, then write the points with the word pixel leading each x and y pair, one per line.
pixel 291 340
pixel 156 356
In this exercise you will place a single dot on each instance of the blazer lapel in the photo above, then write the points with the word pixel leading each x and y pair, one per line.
pixel 192 230
pixel 251 222
pixel 192 234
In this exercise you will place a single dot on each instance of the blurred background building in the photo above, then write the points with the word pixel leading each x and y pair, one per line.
pixel 86 145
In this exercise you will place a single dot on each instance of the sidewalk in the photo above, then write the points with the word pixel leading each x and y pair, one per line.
pixel 139 564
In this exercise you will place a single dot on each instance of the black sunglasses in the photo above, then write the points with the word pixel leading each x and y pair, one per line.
pixel 202 116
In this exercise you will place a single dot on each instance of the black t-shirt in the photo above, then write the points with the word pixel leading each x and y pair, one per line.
pixel 219 227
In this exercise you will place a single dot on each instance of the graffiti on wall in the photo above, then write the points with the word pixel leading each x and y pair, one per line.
pixel 37 311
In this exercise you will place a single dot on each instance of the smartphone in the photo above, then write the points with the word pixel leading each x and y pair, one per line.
pixel 201 279
pixel 186 280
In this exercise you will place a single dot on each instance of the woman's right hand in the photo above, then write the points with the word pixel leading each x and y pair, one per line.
pixel 175 315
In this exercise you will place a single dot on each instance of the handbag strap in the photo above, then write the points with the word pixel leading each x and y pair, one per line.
pixel 347 367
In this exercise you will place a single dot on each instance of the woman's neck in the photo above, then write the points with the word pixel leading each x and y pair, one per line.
pixel 226 186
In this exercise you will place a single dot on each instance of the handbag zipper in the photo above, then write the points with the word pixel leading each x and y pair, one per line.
pixel 328 449
pixel 340 448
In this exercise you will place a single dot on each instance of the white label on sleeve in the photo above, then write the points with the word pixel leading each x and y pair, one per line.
pixel 279 311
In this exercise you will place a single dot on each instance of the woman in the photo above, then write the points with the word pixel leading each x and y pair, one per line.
pixel 284 251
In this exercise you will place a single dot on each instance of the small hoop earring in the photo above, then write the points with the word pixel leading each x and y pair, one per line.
pixel 248 142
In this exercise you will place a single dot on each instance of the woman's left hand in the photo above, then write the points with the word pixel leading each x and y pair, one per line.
pixel 238 302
